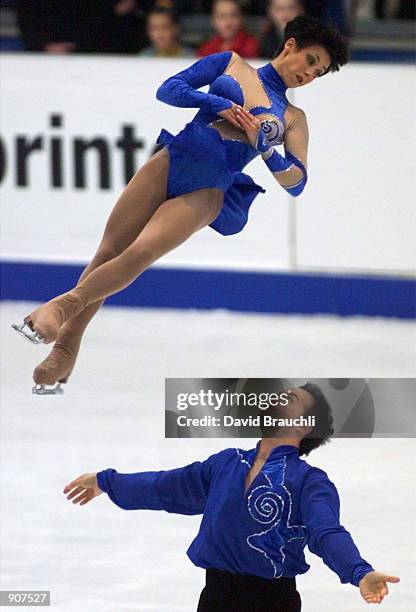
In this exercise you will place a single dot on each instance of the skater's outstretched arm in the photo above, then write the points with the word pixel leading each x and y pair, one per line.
pixel 290 169
pixel 181 490
pixel 182 89
pixel 330 541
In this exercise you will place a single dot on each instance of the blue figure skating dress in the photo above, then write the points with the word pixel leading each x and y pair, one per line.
pixel 210 152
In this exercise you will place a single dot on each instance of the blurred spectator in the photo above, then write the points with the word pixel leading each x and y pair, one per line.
pixel 406 10
pixel 9 36
pixel 163 29
pixel 93 26
pixel 111 26
pixel 249 6
pixel 47 25
pixel 182 7
pixel 227 19
pixel 329 11
pixel 399 9
pixel 279 13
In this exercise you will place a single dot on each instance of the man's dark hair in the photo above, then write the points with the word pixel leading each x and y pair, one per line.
pixel 163 10
pixel 323 429
pixel 309 31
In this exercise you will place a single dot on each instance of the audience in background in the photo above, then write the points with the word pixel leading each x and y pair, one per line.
pixel 119 26
pixel 279 12
pixel 228 23
pixel 406 10
pixel 248 6
pixel 396 9
pixel 47 25
pixel 181 7
pixel 96 26
pixel 163 29
pixel 329 11
pixel 111 26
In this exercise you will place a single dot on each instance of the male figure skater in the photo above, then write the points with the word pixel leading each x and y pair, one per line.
pixel 260 508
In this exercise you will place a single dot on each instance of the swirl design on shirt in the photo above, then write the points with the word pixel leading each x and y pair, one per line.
pixel 264 505
pixel 271 505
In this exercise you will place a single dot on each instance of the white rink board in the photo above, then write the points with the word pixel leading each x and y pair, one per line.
pixel 357 211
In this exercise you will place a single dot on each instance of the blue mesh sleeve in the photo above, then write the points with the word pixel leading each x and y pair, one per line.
pixel 181 89
pixel 279 163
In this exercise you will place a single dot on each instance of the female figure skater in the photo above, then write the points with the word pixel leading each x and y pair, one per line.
pixel 196 179
pixel 260 509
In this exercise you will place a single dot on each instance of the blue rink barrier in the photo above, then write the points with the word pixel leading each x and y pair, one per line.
pixel 267 292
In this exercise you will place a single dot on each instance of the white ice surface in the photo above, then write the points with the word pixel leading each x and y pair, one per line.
pixel 102 559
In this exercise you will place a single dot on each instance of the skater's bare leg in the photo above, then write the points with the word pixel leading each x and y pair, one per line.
pixel 139 200
pixel 173 222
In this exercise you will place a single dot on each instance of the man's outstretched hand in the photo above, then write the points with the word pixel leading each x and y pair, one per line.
pixel 83 489
pixel 373 587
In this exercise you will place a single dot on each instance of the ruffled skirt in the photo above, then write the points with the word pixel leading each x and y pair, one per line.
pixel 198 160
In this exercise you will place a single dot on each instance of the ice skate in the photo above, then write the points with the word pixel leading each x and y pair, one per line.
pixel 44 323
pixel 47 389
pixel 26 330
pixel 54 371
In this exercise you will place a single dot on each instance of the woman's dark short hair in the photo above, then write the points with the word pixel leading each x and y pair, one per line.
pixel 323 429
pixel 309 31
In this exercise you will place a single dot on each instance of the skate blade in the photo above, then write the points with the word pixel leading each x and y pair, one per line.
pixel 28 333
pixel 56 389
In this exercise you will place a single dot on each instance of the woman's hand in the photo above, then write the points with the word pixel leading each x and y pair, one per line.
pixel 249 123
pixel 373 587
pixel 244 120
pixel 230 114
pixel 83 489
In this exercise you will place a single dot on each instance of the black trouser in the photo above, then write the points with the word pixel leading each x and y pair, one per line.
pixel 227 592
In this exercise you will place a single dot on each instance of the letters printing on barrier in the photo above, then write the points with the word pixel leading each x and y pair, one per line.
pixel 53 147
